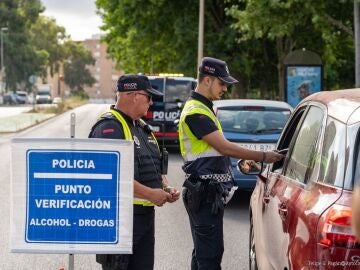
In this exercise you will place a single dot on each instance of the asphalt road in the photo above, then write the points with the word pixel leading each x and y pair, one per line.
pixel 173 239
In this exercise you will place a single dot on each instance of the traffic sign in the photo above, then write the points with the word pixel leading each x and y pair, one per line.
pixel 71 195
pixel 66 201
pixel 32 79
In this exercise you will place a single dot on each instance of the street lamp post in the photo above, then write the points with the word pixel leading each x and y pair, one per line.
pixel 201 31
pixel 2 30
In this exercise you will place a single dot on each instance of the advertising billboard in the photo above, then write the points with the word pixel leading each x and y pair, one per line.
pixel 302 81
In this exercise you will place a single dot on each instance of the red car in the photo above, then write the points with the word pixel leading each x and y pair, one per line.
pixel 300 209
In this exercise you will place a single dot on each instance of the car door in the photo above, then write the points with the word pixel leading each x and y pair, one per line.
pixel 287 180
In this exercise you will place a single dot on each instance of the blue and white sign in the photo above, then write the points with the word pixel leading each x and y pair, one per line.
pixel 302 81
pixel 71 195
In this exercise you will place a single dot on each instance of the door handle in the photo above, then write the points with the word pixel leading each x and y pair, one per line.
pixel 282 209
pixel 266 199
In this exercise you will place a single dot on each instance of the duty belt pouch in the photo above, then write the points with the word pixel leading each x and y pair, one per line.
pixel 164 161
pixel 194 194
pixel 101 258
pixel 216 195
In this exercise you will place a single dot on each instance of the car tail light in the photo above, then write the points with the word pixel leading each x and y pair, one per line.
pixel 335 229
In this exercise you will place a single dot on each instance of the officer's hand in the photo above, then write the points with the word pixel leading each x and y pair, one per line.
pixel 272 156
pixel 175 194
pixel 159 196
pixel 246 165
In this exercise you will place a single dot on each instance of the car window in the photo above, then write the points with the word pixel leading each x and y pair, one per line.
pixel 332 163
pixel 303 157
pixel 355 181
pixel 288 134
pixel 158 84
pixel 240 119
pixel 177 90
pixel 22 94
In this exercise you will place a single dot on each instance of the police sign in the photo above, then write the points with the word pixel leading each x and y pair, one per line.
pixel 66 201
pixel 78 198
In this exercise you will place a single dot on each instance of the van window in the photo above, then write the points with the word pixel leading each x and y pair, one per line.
pixel 165 111
pixel 158 84
pixel 177 90
pixel 43 92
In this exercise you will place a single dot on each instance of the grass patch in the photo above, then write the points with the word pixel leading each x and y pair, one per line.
pixel 59 108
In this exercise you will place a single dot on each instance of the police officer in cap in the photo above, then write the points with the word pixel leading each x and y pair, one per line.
pixel 208 182
pixel 151 187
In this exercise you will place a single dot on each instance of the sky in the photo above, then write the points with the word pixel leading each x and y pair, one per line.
pixel 77 16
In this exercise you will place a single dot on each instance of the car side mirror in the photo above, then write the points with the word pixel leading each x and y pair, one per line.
pixel 250 167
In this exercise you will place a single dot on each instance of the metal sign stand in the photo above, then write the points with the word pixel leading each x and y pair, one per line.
pixel 72 135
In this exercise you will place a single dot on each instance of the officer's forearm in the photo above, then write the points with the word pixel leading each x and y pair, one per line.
pixel 141 191
pixel 165 181
pixel 227 148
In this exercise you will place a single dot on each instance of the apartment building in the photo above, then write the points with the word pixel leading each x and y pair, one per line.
pixel 103 71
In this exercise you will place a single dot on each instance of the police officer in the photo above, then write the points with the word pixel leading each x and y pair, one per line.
pixel 151 188
pixel 206 159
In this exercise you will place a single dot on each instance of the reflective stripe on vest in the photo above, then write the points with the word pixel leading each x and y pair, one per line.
pixel 128 137
pixel 192 148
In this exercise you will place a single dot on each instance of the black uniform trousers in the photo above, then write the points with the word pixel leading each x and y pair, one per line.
pixel 143 244
pixel 207 235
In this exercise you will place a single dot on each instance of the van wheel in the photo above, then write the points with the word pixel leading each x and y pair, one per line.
pixel 252 251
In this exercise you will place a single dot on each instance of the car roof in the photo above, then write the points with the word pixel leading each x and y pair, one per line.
pixel 251 102
pixel 341 104
pixel 173 77
pixel 21 92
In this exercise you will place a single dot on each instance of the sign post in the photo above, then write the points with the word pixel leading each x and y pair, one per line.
pixel 72 135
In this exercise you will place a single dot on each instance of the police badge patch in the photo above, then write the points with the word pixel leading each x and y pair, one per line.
pixel 136 140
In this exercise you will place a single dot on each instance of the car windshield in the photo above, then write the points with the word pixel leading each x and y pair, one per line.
pixel 43 92
pixel 177 90
pixel 252 120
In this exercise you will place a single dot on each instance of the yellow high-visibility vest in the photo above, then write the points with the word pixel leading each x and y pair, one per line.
pixel 129 137
pixel 192 148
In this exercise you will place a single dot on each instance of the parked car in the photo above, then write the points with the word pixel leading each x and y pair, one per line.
pixel 43 96
pixel 300 209
pixel 22 97
pixel 254 124
pixel 10 98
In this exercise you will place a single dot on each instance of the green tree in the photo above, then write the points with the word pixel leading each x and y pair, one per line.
pixel 161 36
pixel 47 37
pixel 321 26
pixel 76 73
pixel 20 58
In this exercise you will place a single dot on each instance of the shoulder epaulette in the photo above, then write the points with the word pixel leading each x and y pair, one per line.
pixel 107 115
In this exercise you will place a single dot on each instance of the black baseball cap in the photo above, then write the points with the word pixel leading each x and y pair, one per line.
pixel 131 82
pixel 216 68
